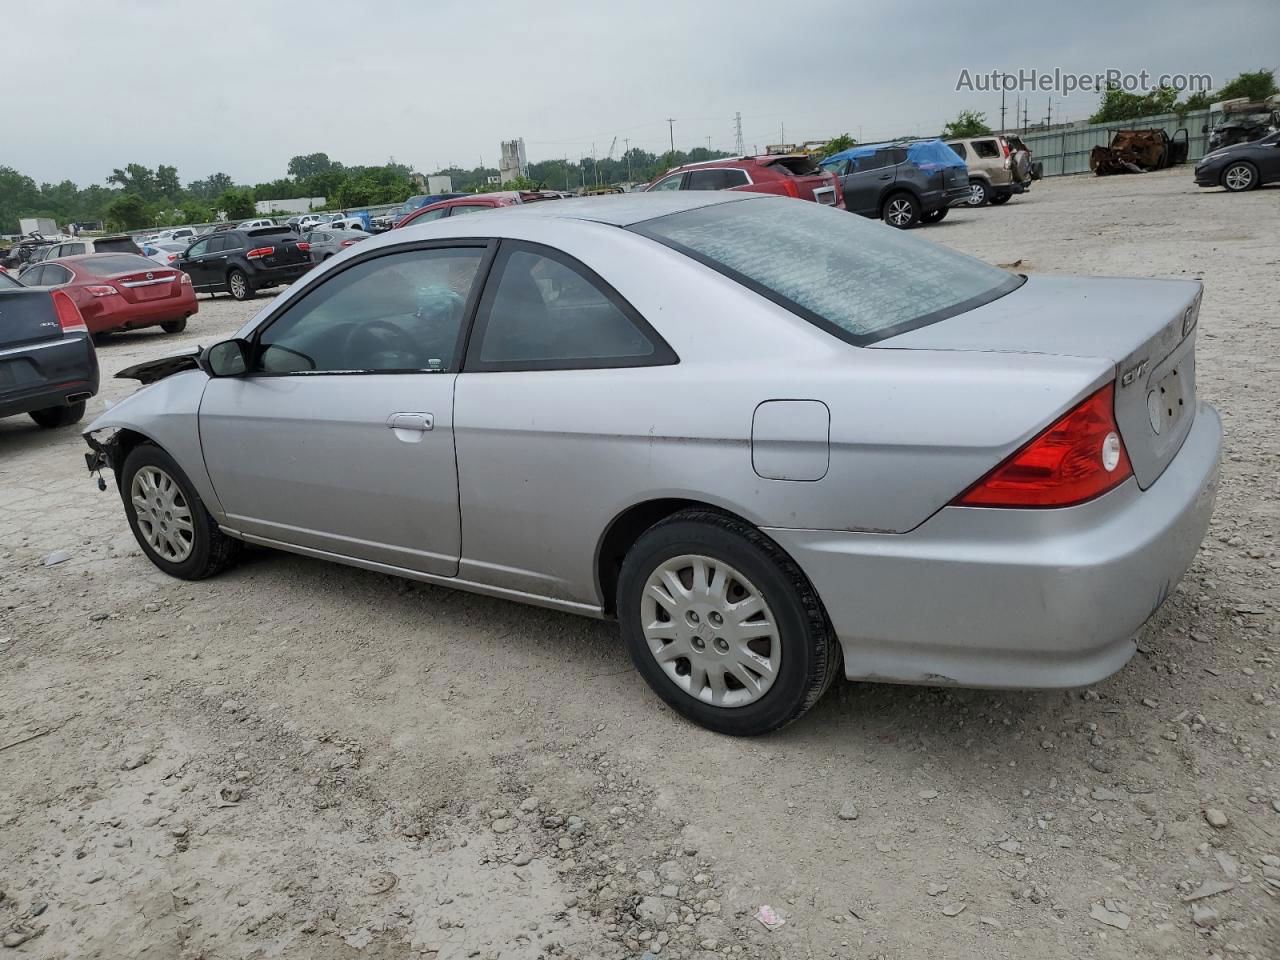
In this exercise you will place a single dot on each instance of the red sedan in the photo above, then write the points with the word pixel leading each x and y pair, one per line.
pixel 119 291
pixel 472 203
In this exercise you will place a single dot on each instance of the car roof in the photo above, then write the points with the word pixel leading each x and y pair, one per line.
pixel 623 209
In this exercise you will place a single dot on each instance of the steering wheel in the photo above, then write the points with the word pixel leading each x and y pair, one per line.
pixel 375 339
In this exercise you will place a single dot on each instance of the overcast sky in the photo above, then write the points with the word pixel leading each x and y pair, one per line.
pixel 241 87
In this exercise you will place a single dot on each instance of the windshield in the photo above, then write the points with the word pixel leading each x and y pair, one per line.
pixel 855 278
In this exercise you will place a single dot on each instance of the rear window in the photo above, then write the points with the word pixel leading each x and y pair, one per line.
pixel 112 263
pixel 7 282
pixel 107 244
pixel 270 232
pixel 932 154
pixel 799 166
pixel 854 278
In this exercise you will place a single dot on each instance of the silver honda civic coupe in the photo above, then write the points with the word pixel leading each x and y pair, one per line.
pixel 769 437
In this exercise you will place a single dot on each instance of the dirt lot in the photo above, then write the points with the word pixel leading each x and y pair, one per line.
pixel 304 760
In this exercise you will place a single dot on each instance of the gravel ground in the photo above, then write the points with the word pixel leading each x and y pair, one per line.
pixel 302 760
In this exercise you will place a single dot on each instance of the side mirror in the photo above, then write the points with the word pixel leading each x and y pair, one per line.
pixel 230 358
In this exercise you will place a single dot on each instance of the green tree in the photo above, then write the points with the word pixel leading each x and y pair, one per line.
pixel 193 211
pixel 838 143
pixel 1255 85
pixel 236 203
pixel 128 211
pixel 1118 105
pixel 211 187
pixel 137 179
pixel 308 165
pixel 969 123
pixel 167 184
pixel 19 197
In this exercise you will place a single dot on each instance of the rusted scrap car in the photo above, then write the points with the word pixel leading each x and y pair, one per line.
pixel 1137 151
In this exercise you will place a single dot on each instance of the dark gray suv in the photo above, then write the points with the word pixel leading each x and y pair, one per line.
pixel 902 183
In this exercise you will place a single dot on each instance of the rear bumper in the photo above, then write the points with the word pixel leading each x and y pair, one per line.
pixel 131 316
pixel 274 276
pixel 1015 598
pixel 47 375
pixel 1017 186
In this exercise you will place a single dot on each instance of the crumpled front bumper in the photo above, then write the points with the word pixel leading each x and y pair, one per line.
pixel 1015 598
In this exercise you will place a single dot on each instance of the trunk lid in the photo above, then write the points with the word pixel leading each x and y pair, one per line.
pixel 1144 328
pixel 145 286
pixel 27 316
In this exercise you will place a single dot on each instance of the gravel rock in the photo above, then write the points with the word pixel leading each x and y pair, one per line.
pixel 1203 916
pixel 504 825
pixel 953 909
pixel 848 811
pixel 1112 918
pixel 1215 818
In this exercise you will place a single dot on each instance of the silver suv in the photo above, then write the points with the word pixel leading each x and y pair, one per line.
pixel 999 167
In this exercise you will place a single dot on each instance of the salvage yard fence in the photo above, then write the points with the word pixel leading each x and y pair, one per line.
pixel 1065 149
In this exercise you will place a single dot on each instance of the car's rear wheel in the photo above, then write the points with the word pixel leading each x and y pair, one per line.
pixel 1240 176
pixel 979 193
pixel 723 625
pixel 63 416
pixel 168 518
pixel 238 285
pixel 174 326
pixel 1000 198
pixel 901 210
pixel 934 216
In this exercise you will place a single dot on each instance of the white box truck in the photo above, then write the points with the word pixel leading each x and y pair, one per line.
pixel 45 226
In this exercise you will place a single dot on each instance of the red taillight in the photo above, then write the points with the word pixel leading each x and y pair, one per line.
pixel 1079 457
pixel 257 253
pixel 102 290
pixel 68 314
pixel 1004 146
pixel 347 243
pixel 303 245
pixel 789 185
pixel 173 257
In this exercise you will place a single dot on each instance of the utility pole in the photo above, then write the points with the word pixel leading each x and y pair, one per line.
pixel 627 143
pixel 737 130
pixel 782 133
pixel 1002 108
pixel 1049 119
pixel 708 143
pixel 671 129
pixel 1025 104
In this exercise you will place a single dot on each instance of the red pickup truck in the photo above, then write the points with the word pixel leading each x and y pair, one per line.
pixel 788 175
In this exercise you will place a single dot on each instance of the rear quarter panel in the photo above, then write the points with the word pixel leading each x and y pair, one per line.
pixel 548 459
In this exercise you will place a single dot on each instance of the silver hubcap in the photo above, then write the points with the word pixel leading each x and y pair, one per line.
pixel 164 518
pixel 899 212
pixel 237 286
pixel 710 631
pixel 1239 178
pixel 976 192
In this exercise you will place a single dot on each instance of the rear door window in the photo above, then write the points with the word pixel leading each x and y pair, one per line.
pixel 543 310
pixel 707 180
pixel 469 208
pixel 986 149
pixel 55 275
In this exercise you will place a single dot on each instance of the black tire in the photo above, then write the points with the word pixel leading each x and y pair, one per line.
pixel 1243 174
pixel 212 551
pixel 53 417
pixel 810 653
pixel 174 326
pixel 979 193
pixel 1000 198
pixel 238 285
pixel 901 210
pixel 935 216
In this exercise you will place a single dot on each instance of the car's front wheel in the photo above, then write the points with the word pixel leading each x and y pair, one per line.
pixel 168 518
pixel 901 210
pixel 979 193
pixel 238 285
pixel 1240 177
pixel 64 416
pixel 934 216
pixel 723 625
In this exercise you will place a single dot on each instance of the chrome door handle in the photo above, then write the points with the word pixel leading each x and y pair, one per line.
pixel 422 422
